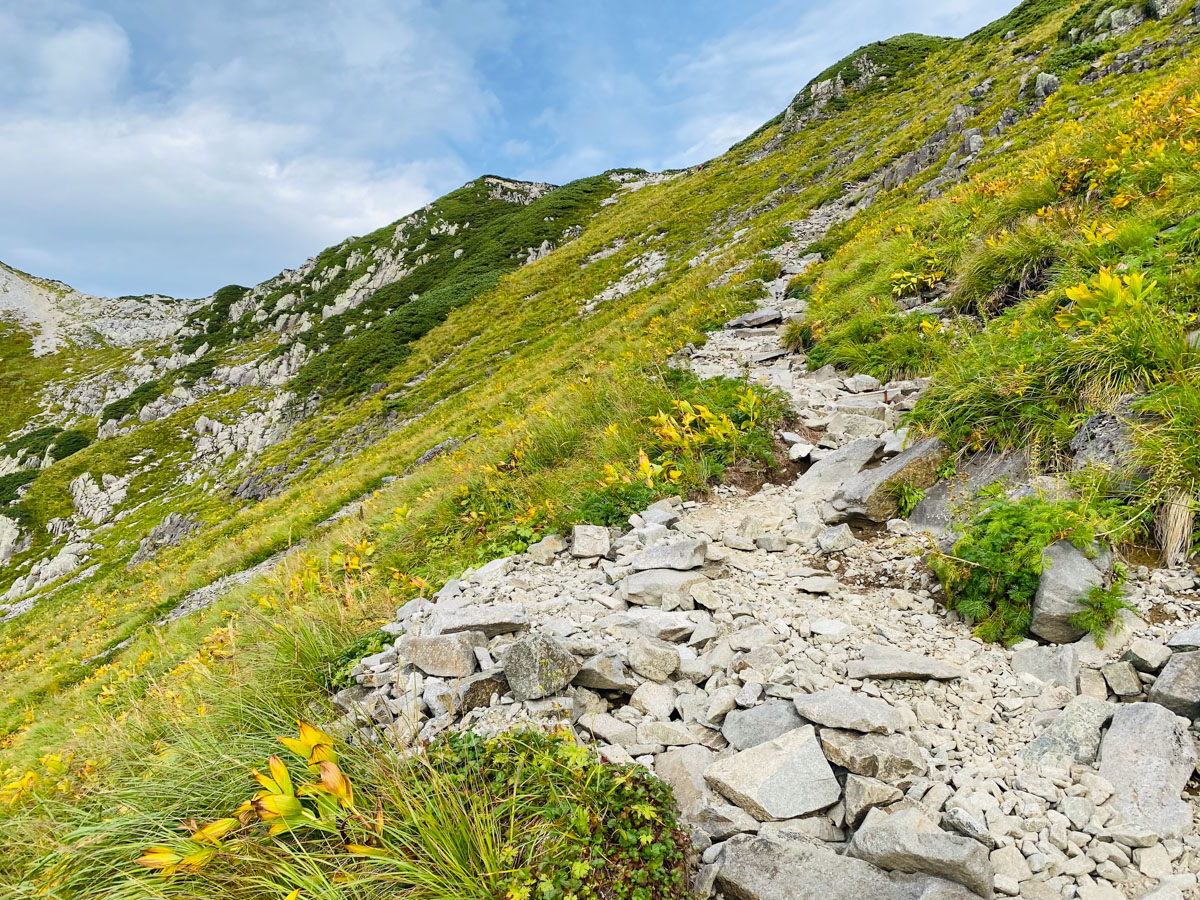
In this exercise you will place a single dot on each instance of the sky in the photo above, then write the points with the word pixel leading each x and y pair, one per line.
pixel 163 146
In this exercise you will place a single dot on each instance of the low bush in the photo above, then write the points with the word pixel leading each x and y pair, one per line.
pixel 991 575
pixel 12 483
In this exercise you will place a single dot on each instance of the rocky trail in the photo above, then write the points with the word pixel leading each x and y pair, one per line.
pixel 783 660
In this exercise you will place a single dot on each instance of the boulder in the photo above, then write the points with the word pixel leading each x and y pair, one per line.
pixel 1049 665
pixel 836 539
pixel 653 659
pixel 1178 685
pixel 1146 655
pixel 683 769
pixel 745 728
pixel 648 587
pixel 780 779
pixel 888 757
pixel 1122 679
pixel 879 661
pixel 538 666
pixel 825 477
pixel 1067 576
pixel 790 867
pixel 936 511
pixel 490 619
pixel 1148 756
pixel 682 555
pixel 1188 639
pixel 1073 735
pixel 871 494
pixel 608 671
pixel 588 541
pixel 904 838
pixel 449 656
pixel 851 710
pixel 476 691
pixel 544 551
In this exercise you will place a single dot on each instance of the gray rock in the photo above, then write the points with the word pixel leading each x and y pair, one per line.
pixel 608 671
pixel 819 584
pixel 1188 639
pixel 745 728
pixel 1045 84
pixel 1148 756
pixel 664 734
pixel 538 666
pixel 871 494
pixel 836 539
pixel 850 710
pixel 779 779
pixel 1178 685
pixel 1122 679
pixel 683 769
pixel 880 661
pixel 653 659
pixel 936 511
pixel 720 820
pixel 1074 734
pixel 888 757
pixel 588 541
pixel 826 476
pixel 1050 665
pixel 450 656
pixel 609 729
pixel 649 586
pixel 1067 576
pixel 903 837
pixel 772 543
pixel 544 551
pixel 794 868
pixel 756 319
pixel 476 691
pixel 862 794
pixel 681 555
pixel 1146 655
pixel 964 821
pixel 492 619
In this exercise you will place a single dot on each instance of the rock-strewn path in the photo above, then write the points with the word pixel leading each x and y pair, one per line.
pixel 829 730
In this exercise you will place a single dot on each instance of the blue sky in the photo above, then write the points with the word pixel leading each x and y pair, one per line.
pixel 174 147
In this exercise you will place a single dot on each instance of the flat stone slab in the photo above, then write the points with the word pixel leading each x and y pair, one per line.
pixel 851 710
pixel 880 661
pixel 780 779
pixel 647 587
pixel 1050 665
pixel 795 868
pixel 1148 756
pixel 682 555
pixel 493 619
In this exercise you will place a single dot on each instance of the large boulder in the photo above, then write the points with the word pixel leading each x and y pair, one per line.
pixel 449 656
pixel 1148 757
pixel 903 837
pixel 794 868
pixel 780 779
pixel 936 511
pixel 825 477
pixel 871 494
pixel 1067 577
pixel 538 666
pixel 589 541
pixel 1049 665
pixel 648 587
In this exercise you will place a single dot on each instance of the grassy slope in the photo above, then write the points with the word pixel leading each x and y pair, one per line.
pixel 519 366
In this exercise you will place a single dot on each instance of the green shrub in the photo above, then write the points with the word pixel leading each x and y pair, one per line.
pixel 70 441
pixel 613 504
pixel 11 483
pixel 1067 59
pixel 132 404
pixel 907 495
pixel 991 575
pixel 35 443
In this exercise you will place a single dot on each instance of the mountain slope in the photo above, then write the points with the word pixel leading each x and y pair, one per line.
pixel 460 405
